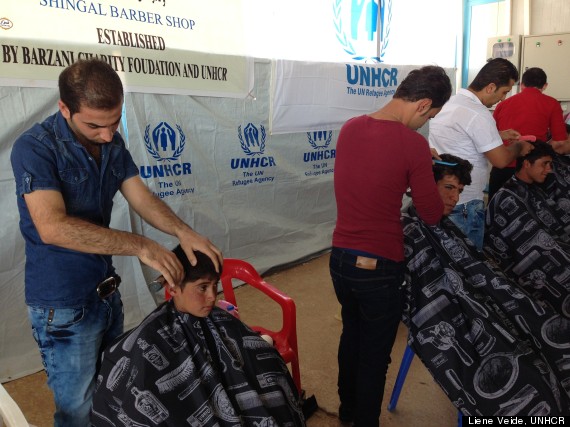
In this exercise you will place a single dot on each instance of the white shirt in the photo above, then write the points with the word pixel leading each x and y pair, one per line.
pixel 465 128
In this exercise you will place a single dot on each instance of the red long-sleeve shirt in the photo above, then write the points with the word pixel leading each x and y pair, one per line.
pixel 376 162
pixel 531 112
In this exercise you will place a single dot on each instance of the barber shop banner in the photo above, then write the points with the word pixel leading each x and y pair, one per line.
pixel 155 46
pixel 309 96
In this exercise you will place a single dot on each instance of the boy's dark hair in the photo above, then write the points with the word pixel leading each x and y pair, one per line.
pixel 429 82
pixel 91 83
pixel 541 149
pixel 462 170
pixel 534 77
pixel 204 268
pixel 498 71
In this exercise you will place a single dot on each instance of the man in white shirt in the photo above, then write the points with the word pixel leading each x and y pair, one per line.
pixel 465 128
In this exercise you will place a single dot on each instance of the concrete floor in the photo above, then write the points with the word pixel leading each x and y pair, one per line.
pixel 422 402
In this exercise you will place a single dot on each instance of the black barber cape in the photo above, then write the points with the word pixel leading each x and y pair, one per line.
pixel 176 369
pixel 489 345
pixel 557 184
pixel 527 235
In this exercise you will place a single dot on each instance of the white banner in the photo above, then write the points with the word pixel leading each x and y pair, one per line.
pixel 310 96
pixel 171 48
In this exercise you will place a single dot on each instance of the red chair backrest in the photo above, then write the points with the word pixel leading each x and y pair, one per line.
pixel 286 338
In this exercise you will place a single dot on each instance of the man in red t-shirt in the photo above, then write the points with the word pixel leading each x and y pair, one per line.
pixel 530 112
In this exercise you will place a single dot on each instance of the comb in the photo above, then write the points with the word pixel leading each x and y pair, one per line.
pixel 530 138
pixel 441 162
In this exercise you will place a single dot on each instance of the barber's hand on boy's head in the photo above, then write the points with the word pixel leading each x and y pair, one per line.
pixel 192 241
pixel 162 260
pixel 526 147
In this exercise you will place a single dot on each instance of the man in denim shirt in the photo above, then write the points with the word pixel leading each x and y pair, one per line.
pixel 67 171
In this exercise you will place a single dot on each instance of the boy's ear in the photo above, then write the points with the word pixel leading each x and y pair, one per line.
pixel 526 164
pixel 173 290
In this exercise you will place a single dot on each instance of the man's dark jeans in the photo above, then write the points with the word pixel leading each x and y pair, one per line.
pixel 372 302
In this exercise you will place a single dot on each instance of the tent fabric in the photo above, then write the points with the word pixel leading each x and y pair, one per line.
pixel 491 347
pixel 176 368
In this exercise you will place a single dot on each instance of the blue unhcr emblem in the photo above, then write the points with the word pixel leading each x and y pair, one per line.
pixel 320 139
pixel 369 27
pixel 252 145
pixel 165 145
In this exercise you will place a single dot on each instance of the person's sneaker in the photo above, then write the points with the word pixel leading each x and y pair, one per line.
pixel 345 414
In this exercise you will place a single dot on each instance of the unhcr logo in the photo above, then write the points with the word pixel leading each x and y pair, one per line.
pixel 319 140
pixel 368 27
pixel 252 143
pixel 165 145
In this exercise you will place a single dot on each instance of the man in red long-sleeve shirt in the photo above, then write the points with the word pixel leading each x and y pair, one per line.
pixel 530 112
pixel 379 156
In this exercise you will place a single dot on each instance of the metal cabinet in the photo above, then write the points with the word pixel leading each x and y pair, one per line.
pixel 551 52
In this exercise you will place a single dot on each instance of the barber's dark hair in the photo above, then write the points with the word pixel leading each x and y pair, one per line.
pixel 204 268
pixel 462 170
pixel 429 82
pixel 541 149
pixel 534 77
pixel 91 83
pixel 498 71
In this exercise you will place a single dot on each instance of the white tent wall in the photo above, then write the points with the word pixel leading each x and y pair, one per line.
pixel 285 218
pixel 276 207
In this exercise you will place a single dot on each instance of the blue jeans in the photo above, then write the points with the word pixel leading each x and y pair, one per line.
pixel 70 342
pixel 372 302
pixel 470 218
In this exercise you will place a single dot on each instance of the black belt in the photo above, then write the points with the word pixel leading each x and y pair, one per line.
pixel 108 286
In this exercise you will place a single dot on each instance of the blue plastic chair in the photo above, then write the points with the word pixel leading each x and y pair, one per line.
pixel 401 377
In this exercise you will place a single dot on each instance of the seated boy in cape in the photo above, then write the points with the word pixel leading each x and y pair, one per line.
pixel 492 348
pixel 527 230
pixel 191 363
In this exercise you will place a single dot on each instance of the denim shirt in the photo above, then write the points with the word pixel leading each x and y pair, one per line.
pixel 48 157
